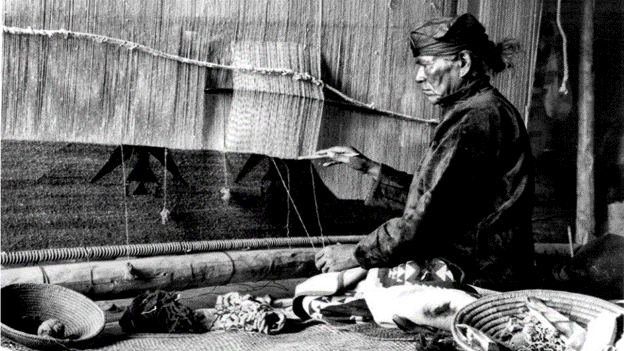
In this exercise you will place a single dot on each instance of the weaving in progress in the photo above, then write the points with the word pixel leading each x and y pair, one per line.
pixel 176 177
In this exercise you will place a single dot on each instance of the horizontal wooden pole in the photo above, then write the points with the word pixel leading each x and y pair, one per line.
pixel 117 279
pixel 171 248
pixel 126 278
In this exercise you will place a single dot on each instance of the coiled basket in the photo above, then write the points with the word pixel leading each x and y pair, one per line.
pixel 24 305
pixel 490 314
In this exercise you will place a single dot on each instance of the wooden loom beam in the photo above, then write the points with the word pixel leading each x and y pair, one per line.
pixel 127 278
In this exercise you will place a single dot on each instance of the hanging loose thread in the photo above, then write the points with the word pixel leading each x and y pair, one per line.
pixel 293 202
pixel 288 207
pixel 226 194
pixel 566 71
pixel 316 206
pixel 125 202
pixel 164 214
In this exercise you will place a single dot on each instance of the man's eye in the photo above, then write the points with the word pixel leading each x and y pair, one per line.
pixel 423 63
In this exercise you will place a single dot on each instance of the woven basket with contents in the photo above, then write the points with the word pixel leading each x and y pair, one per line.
pixel 491 314
pixel 63 317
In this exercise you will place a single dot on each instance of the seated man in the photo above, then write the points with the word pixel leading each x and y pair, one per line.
pixel 470 201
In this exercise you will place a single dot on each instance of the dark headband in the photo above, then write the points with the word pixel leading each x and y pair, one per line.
pixel 449 36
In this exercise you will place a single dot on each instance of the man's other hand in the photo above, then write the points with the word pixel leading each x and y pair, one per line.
pixel 349 156
pixel 336 258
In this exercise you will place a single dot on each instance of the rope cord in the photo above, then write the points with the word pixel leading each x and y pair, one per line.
pixel 172 248
pixel 566 70
pixel 302 76
pixel 138 47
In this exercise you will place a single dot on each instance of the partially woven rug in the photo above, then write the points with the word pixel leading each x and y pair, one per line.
pixel 278 116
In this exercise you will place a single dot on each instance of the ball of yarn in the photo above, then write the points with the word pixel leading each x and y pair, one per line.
pixel 52 327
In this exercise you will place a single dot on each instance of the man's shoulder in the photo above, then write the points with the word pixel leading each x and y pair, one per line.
pixel 489 102
pixel 485 99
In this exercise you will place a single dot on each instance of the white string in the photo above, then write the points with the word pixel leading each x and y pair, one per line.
pixel 225 191
pixel 320 44
pixel 123 175
pixel 316 207
pixel 564 82
pixel 288 207
pixel 293 202
pixel 125 202
pixel 164 214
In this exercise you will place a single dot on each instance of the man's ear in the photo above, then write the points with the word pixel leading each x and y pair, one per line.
pixel 465 61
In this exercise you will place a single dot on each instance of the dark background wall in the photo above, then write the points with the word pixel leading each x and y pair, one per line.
pixel 553 118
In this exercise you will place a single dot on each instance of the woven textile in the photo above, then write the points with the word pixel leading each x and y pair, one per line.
pixel 278 116
pixel 83 91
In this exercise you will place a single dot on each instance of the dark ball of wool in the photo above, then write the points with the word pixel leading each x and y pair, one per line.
pixel 53 328
pixel 160 312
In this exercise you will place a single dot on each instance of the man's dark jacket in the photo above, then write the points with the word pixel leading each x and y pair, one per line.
pixel 470 201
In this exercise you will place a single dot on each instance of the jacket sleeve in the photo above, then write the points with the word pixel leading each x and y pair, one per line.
pixel 452 177
pixel 390 190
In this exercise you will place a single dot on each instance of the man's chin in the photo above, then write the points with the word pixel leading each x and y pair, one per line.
pixel 433 99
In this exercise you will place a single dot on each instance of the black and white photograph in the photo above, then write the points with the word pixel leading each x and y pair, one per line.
pixel 312 175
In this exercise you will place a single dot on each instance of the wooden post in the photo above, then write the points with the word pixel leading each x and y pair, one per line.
pixel 585 196
pixel 127 278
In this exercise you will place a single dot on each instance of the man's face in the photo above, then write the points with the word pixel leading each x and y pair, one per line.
pixel 437 76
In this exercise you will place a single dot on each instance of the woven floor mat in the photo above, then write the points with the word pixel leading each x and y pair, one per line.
pixel 319 337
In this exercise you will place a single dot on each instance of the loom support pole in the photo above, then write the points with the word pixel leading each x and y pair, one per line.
pixel 116 279
pixel 99 253
pixel 585 191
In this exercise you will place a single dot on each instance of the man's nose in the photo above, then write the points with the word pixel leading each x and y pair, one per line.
pixel 420 74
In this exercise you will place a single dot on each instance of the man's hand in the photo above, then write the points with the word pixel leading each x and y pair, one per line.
pixel 350 156
pixel 336 258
